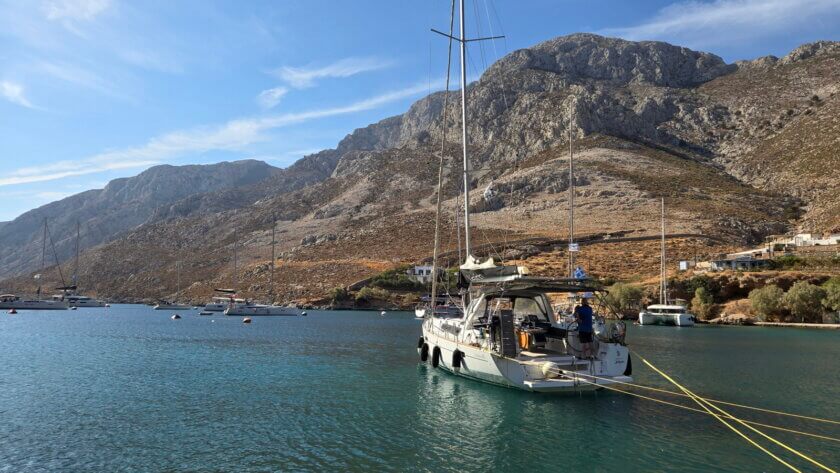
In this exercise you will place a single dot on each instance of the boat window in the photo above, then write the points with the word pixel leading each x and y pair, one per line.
pixel 528 308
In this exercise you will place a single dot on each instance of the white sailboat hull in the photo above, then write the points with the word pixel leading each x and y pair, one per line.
pixel 526 372
pixel 34 305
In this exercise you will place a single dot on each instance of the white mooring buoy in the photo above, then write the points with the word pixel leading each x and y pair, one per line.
pixel 246 320
pixel 176 317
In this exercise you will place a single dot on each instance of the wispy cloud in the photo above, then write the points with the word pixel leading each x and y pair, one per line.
pixel 269 98
pixel 302 77
pixel 13 92
pixel 74 9
pixel 62 169
pixel 718 22
pixel 233 135
pixel 77 76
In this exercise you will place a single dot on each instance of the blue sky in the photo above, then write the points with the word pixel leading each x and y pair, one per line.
pixel 91 90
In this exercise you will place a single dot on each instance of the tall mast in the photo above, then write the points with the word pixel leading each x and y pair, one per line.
pixel 235 274
pixel 44 247
pixel 178 278
pixel 571 191
pixel 76 265
pixel 663 288
pixel 464 133
pixel 271 274
pixel 440 167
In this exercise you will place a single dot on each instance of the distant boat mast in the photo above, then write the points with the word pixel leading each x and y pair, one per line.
pixel 663 282
pixel 572 249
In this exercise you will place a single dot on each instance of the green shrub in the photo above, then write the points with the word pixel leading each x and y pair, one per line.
pixel 804 301
pixel 339 294
pixel 624 298
pixel 397 279
pixel 688 288
pixel 767 302
pixel 368 294
pixel 703 305
pixel 832 294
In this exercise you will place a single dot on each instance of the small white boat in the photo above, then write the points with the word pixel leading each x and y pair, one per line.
pixel 11 301
pixel 166 305
pixel 666 314
pixel 260 309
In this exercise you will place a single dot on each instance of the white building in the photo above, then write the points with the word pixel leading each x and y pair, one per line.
pixel 420 273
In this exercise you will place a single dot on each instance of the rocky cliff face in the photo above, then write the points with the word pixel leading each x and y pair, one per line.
pixel 737 150
pixel 123 204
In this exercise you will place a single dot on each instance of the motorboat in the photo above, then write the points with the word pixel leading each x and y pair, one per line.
pixel 11 301
pixel 508 336
pixel 666 314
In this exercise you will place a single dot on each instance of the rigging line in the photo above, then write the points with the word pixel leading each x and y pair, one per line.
pixel 433 301
pixel 693 409
pixel 55 254
pixel 665 391
pixel 478 33
pixel 703 403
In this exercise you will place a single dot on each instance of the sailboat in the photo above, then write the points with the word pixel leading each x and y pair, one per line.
pixel 251 309
pixel 70 294
pixel 507 334
pixel 171 305
pixel 665 313
pixel 12 301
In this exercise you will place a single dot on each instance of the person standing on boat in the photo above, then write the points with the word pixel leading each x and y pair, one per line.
pixel 583 316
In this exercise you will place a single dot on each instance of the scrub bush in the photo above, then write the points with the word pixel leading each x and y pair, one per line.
pixel 767 302
pixel 804 301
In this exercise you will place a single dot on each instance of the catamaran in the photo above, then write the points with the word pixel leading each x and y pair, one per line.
pixel 508 334
pixel 665 313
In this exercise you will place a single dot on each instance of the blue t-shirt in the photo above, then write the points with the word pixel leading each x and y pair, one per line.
pixel 584 315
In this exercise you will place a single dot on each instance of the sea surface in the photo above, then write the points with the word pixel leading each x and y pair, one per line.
pixel 128 389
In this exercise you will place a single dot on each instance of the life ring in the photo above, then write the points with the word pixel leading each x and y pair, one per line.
pixel 457 356
pixel 424 352
pixel 435 357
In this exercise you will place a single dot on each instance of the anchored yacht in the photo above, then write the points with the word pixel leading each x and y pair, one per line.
pixel 508 336
pixel 666 314
pixel 11 301
pixel 219 304
pixel 77 300
pixel 260 309
pixel 167 305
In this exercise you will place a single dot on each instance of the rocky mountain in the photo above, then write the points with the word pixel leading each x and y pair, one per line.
pixel 124 204
pixel 738 151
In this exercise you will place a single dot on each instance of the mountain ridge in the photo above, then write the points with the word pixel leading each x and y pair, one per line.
pixel 652 120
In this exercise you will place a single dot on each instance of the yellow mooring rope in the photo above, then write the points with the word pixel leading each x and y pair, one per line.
pixel 706 404
pixel 673 404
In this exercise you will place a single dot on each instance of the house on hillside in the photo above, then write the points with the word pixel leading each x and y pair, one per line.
pixel 743 260
pixel 422 274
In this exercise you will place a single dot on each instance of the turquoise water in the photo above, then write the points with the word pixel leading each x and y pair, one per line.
pixel 128 389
